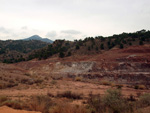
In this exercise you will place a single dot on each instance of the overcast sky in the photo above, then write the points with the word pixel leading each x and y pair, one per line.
pixel 72 19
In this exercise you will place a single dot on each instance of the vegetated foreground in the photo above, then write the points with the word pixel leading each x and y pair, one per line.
pixel 80 84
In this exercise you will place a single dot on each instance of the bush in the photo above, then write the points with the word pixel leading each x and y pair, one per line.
pixel 53 82
pixel 10 85
pixel 70 95
pixel 114 102
pixel 38 81
pixel 95 103
pixel 78 78
pixel 3 99
pixel 142 87
pixel 105 82
pixel 111 102
pixel 119 86
pixel 2 86
pixel 13 104
pixel 139 87
pixel 144 100
pixel 40 103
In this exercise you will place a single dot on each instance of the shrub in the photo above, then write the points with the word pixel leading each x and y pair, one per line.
pixel 131 98
pixel 40 103
pixel 39 81
pixel 2 86
pixel 105 82
pixel 113 101
pixel 13 104
pixel 3 99
pixel 78 78
pixel 139 87
pixel 50 94
pixel 9 85
pixel 70 95
pixel 95 103
pixel 142 87
pixel 144 100
pixel 53 82
pixel 119 86
pixel 136 87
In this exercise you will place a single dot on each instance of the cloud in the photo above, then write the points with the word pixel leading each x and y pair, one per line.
pixel 4 30
pixel 22 32
pixel 66 37
pixel 24 28
pixel 73 32
pixel 51 34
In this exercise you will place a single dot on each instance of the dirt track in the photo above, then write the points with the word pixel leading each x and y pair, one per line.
pixel 5 109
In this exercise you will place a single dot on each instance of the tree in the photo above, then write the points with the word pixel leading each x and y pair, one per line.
pixel 141 42
pixel 69 53
pixel 77 47
pixel 102 46
pixel 96 48
pixel 130 43
pixel 61 55
pixel 121 46
pixel 89 48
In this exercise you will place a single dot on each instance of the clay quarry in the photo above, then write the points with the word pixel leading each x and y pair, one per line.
pixel 127 70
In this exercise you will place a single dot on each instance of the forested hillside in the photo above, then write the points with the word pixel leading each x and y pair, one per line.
pixel 92 45
pixel 16 50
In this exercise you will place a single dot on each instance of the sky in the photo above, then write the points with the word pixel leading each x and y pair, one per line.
pixel 72 19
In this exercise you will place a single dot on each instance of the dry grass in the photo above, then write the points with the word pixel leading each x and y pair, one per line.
pixel 40 103
pixel 67 108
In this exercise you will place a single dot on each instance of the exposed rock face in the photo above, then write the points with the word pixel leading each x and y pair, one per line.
pixel 130 65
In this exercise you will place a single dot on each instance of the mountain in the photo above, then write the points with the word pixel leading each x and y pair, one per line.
pixel 36 37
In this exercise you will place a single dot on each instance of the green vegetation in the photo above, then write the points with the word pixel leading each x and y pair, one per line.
pixel 114 102
pixel 111 102
pixel 121 46
pixel 17 51
pixel 102 46
pixel 12 51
